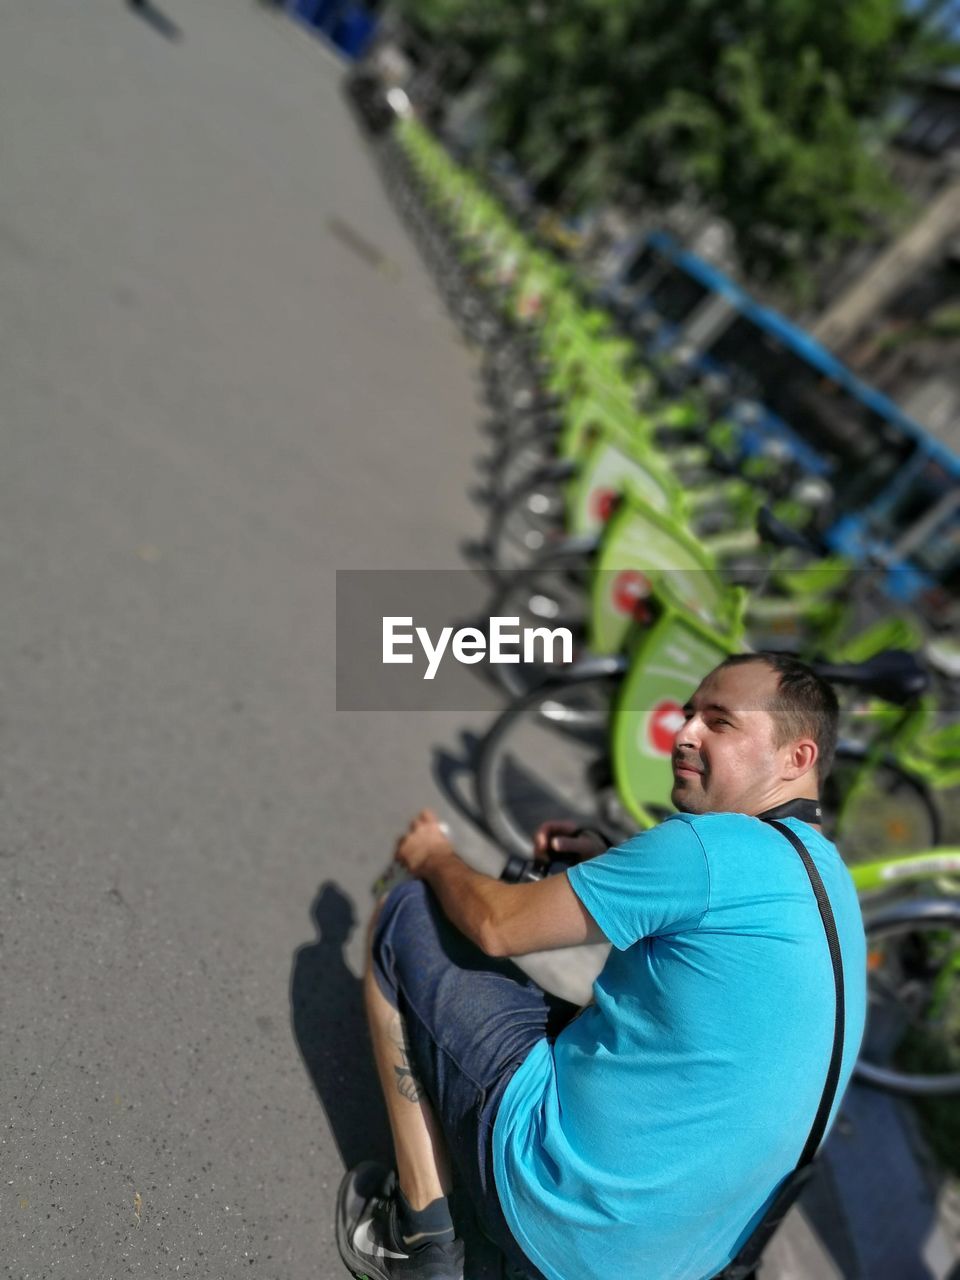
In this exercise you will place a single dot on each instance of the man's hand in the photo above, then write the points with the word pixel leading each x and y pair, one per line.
pixel 502 919
pixel 556 839
pixel 425 839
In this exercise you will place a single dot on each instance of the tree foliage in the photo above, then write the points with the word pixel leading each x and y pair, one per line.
pixel 770 111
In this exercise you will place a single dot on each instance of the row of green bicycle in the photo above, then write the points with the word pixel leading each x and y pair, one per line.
pixel 606 489
pixel 625 514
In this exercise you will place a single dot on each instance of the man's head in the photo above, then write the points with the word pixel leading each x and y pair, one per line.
pixel 761 729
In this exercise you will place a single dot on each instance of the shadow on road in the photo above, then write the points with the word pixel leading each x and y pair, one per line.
pixel 453 772
pixel 887 1192
pixel 156 19
pixel 326 1006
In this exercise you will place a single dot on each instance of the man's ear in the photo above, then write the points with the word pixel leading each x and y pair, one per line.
pixel 801 757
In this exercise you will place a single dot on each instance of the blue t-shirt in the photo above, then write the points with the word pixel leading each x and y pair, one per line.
pixel 649 1138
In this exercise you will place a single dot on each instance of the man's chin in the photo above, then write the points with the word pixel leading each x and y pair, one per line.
pixel 683 798
pixel 680 798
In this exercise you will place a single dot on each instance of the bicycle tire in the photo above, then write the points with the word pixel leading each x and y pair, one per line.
pixel 905 1035
pixel 516 390
pixel 552 593
pixel 525 522
pixel 538 762
pixel 522 453
pixel 892 812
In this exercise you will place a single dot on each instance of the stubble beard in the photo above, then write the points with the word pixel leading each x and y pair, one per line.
pixel 684 800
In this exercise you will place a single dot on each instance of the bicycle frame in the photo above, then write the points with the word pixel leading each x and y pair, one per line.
pixel 939 868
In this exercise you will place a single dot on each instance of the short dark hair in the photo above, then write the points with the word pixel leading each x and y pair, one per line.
pixel 805 706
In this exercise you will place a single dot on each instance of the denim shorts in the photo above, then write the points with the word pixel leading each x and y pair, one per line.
pixel 471 1020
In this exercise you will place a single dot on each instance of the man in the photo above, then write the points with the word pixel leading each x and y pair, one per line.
pixel 644 1135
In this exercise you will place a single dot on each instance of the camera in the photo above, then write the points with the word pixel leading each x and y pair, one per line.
pixel 517 869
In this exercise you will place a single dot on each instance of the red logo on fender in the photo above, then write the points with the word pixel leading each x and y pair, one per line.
pixel 631 588
pixel 662 725
pixel 604 501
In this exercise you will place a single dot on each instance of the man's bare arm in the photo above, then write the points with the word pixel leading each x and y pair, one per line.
pixel 502 919
pixel 510 919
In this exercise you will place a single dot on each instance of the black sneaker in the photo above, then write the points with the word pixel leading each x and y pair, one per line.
pixel 369 1237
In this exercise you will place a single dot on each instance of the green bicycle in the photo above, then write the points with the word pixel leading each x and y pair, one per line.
pixel 593 743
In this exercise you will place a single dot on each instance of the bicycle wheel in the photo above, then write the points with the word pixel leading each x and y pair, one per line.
pixel 547 756
pixel 523 452
pixel 879 810
pixel 526 522
pixel 553 593
pixel 515 388
pixel 912 1040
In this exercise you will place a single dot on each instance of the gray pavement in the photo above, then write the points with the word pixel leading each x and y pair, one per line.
pixel 212 397
pixel 209 404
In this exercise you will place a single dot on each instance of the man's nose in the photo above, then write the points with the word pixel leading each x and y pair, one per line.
pixel 688 735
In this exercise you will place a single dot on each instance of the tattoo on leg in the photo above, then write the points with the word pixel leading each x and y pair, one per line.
pixel 408 1086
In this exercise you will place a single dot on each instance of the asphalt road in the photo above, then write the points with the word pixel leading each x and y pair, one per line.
pixel 210 402
pixel 224 376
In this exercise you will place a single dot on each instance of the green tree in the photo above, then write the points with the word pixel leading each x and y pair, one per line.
pixel 770 111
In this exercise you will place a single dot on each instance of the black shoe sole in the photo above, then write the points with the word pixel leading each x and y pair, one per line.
pixel 361 1184
pixel 357 1266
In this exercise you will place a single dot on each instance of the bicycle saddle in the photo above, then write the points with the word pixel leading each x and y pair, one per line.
pixel 895 676
pixel 779 534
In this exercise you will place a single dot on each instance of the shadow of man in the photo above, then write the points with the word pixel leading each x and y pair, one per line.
pixel 326 1005
pixel 330 1026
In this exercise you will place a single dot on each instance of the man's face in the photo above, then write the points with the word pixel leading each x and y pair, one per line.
pixel 724 755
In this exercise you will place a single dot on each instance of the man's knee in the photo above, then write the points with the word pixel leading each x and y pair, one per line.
pixel 391 916
pixel 409 894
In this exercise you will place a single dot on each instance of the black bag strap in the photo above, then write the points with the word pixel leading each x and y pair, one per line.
pixel 833 942
pixel 743 1266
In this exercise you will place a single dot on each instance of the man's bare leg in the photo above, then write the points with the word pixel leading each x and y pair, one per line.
pixel 423 1164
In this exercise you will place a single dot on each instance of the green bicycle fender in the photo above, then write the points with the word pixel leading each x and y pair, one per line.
pixel 533 288
pixel 669 661
pixel 570 367
pixel 606 472
pixel 591 412
pixel 584 362
pixel 639 546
